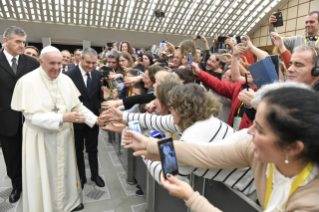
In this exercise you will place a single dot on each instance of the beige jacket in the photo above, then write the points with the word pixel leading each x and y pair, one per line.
pixel 237 155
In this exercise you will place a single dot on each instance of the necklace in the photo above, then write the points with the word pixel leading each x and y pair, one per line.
pixel 55 108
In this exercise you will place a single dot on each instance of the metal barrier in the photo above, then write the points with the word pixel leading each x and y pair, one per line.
pixel 220 195
pixel 157 198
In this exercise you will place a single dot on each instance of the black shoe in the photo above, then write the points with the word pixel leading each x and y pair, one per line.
pixel 98 181
pixel 83 181
pixel 139 193
pixel 14 196
pixel 79 208
pixel 130 182
pixel 138 186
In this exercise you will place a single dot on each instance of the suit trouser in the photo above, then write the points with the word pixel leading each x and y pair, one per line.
pixel 12 153
pixel 91 141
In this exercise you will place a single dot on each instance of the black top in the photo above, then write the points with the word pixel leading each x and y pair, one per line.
pixel 140 99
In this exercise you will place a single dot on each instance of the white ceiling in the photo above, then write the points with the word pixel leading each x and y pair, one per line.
pixel 183 17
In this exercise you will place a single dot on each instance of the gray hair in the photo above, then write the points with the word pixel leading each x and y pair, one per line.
pixel 308 48
pixel 88 51
pixel 275 86
pixel 13 30
pixel 66 51
pixel 112 54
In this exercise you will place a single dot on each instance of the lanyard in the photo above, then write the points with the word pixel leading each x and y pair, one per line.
pixel 129 92
pixel 315 43
pixel 302 176
pixel 238 111
pixel 173 136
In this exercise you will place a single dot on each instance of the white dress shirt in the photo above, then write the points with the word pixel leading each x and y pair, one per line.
pixel 9 57
pixel 65 69
pixel 85 77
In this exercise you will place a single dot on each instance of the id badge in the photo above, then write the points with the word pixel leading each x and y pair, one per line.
pixel 236 123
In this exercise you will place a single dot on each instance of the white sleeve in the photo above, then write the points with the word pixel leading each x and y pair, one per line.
pixel 153 122
pixel 48 122
pixel 90 118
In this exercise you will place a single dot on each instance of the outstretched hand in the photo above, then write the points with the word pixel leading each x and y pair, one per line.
pixel 139 142
pixel 176 187
pixel 112 114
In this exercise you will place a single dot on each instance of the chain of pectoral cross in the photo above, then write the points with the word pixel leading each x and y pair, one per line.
pixel 55 108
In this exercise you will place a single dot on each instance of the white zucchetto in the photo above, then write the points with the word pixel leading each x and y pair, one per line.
pixel 49 49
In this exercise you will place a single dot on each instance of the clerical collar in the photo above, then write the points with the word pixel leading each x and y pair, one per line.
pixel 9 57
pixel 45 76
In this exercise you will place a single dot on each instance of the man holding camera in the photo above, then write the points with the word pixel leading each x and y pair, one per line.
pixel 87 81
pixel 312 32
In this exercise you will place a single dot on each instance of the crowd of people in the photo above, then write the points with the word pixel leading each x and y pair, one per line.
pixel 260 141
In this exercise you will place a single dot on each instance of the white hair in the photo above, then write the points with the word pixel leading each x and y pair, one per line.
pixel 274 86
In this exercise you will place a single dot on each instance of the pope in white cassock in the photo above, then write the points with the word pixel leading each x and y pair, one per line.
pixel 50 104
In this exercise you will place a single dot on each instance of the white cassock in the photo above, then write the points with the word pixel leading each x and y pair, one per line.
pixel 49 169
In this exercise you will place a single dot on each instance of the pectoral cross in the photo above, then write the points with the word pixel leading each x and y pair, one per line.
pixel 56 109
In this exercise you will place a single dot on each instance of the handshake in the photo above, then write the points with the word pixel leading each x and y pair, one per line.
pixel 101 121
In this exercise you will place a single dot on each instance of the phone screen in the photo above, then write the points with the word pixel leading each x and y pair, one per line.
pixel 168 156
pixel 190 60
pixel 135 126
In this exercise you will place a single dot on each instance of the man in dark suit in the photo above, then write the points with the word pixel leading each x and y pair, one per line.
pixel 13 65
pixel 66 57
pixel 87 80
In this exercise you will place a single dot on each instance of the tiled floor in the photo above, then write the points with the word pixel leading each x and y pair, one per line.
pixel 116 196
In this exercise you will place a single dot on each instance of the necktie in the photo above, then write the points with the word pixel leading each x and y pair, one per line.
pixel 63 69
pixel 89 84
pixel 14 65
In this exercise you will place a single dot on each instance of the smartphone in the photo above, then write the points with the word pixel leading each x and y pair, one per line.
pixel 238 39
pixel 176 47
pixel 110 45
pixel 246 81
pixel 199 37
pixel 106 71
pixel 221 39
pixel 156 134
pixel 279 18
pixel 190 60
pixel 168 156
pixel 135 126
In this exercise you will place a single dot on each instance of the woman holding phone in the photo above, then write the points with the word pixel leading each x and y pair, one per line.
pixel 283 152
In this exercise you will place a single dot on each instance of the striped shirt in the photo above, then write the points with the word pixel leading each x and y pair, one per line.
pixel 211 131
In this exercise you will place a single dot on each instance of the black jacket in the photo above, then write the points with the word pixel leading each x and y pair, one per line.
pixel 92 102
pixel 9 119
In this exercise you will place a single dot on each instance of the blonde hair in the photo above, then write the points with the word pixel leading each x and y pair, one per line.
pixel 186 47
pixel 167 77
pixel 192 103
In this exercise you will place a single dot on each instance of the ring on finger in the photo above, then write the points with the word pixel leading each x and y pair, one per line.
pixel 76 120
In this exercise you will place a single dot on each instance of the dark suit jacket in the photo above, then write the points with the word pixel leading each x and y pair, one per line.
pixel 92 102
pixel 9 121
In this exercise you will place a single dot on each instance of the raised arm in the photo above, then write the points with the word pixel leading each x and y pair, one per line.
pixel 260 54
pixel 221 87
pixel 234 68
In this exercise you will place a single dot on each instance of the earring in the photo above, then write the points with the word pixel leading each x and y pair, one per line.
pixel 286 161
